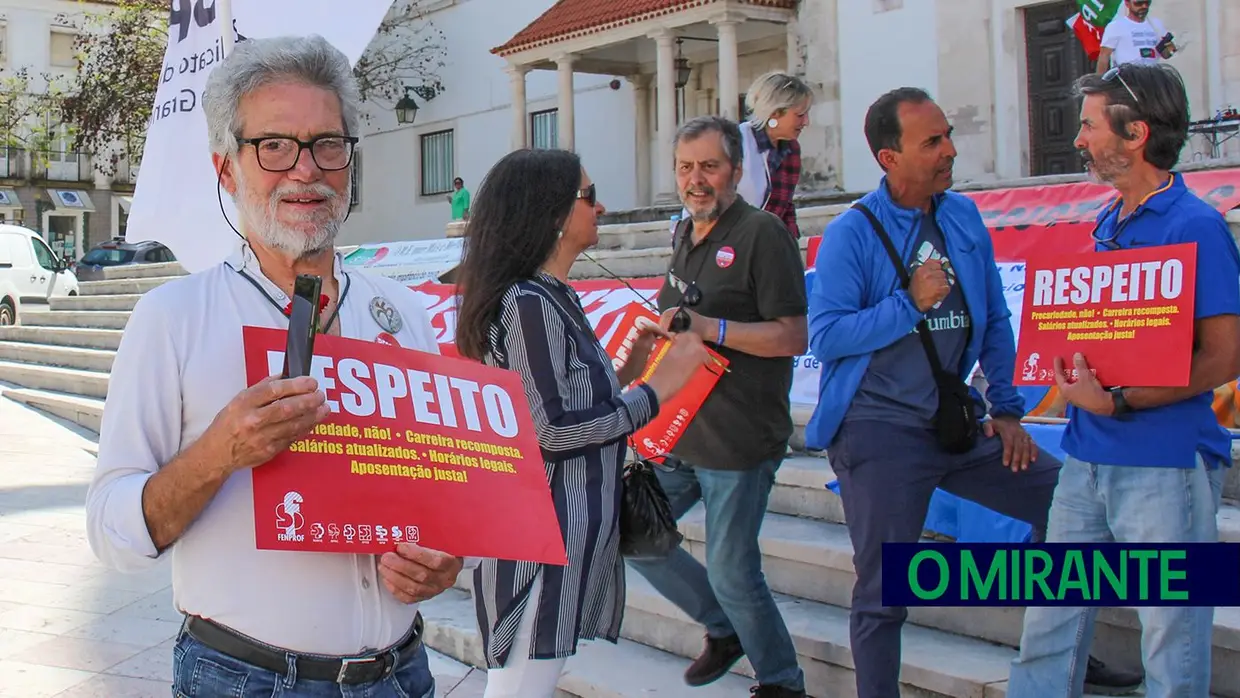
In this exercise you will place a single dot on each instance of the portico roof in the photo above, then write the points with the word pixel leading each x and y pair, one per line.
pixel 568 19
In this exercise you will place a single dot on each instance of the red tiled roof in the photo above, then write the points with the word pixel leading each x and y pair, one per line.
pixel 577 17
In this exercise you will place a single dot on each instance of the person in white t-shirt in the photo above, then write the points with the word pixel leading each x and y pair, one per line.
pixel 1134 37
pixel 182 429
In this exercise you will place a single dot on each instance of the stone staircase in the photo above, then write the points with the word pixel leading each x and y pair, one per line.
pixel 59 361
pixel 807 560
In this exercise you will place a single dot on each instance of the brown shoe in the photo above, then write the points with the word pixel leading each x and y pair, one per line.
pixel 775 692
pixel 715 660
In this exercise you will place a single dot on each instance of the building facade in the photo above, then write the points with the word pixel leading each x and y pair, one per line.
pixel 49 187
pixel 612 81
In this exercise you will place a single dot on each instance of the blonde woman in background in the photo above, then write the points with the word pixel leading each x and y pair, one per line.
pixel 779 107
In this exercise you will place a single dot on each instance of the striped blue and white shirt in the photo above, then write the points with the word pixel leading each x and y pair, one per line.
pixel 583 419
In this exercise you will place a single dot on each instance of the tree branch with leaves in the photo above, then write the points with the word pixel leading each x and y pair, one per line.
pixel 28 109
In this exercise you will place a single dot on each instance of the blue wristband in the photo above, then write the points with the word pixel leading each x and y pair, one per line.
pixel 723 331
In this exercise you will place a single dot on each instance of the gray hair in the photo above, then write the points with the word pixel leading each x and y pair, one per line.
pixel 775 92
pixel 255 63
pixel 693 129
pixel 1162 105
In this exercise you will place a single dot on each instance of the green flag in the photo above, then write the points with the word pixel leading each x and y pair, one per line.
pixel 1099 12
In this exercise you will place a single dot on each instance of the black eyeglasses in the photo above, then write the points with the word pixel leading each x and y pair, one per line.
pixel 681 320
pixel 1114 74
pixel 590 194
pixel 281 153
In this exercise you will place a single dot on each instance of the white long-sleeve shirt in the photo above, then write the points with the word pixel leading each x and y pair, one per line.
pixel 180 361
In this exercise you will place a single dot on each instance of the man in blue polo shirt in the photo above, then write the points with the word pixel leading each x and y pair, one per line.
pixel 1144 464
pixel 881 391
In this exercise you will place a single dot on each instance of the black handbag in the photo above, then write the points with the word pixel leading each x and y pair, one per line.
pixel 955 420
pixel 647 527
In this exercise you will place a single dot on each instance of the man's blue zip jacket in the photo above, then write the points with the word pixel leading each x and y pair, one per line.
pixel 857 305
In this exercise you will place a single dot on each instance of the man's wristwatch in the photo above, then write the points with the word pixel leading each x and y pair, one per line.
pixel 1121 403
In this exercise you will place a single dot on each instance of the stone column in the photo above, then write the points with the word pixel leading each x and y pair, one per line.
pixel 641 111
pixel 564 69
pixel 516 73
pixel 665 188
pixel 793 30
pixel 729 68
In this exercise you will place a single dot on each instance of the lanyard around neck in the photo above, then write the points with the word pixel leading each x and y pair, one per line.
pixel 348 281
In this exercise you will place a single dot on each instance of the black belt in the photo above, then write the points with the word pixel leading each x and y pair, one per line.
pixel 344 670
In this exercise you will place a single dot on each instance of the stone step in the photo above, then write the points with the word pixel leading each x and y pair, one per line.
pixel 86 412
pixel 812 560
pixel 800 490
pixel 103 302
pixel 801 415
pixel 63 336
pixel 53 355
pixel 92 319
pixel 598 670
pixel 143 271
pixel 625 264
pixel 633 263
pixel 122 286
pixel 54 378
pixel 934 664
pixel 812 220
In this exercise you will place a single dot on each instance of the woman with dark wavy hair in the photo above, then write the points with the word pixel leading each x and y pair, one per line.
pixel 535 212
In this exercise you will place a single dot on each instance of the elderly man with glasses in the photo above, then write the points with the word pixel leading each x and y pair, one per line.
pixel 181 429
pixel 1145 464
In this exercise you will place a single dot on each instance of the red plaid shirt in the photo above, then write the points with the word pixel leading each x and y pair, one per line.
pixel 784 165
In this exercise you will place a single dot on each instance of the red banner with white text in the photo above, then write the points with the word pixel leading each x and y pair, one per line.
pixel 1128 312
pixel 657 438
pixel 604 301
pixel 1058 219
pixel 419 447
pixel 1021 219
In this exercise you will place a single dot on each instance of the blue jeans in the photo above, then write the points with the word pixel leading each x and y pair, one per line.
pixel 1104 503
pixel 200 672
pixel 888 474
pixel 729 596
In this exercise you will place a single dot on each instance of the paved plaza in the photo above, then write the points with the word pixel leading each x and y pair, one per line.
pixel 68 627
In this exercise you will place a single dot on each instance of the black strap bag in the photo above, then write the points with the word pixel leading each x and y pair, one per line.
pixel 955 420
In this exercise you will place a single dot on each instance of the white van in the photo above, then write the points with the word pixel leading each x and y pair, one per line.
pixel 30 273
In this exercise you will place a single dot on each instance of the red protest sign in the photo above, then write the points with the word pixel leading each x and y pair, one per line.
pixel 659 436
pixel 422 448
pixel 1129 312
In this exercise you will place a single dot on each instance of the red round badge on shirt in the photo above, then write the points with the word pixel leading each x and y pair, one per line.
pixel 385 338
pixel 724 257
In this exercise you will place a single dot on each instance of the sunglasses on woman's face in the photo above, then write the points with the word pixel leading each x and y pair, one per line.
pixel 590 194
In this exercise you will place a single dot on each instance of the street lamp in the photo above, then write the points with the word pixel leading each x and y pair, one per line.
pixel 682 67
pixel 406 108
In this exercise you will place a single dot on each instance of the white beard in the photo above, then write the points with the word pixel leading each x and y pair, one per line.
pixel 314 232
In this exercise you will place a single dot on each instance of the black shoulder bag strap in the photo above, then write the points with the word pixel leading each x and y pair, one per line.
pixel 955 420
pixel 923 328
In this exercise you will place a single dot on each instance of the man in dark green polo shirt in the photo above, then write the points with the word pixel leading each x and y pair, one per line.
pixel 737 277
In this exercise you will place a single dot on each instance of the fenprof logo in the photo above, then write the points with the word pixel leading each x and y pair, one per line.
pixel 1030 371
pixel 289 518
